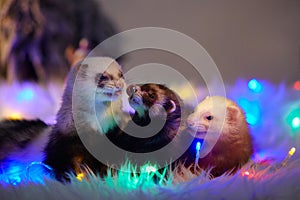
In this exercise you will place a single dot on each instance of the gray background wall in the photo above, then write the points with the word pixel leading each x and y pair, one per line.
pixel 245 38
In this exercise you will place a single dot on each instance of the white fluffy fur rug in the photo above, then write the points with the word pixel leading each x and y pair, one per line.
pixel 282 183
pixel 265 177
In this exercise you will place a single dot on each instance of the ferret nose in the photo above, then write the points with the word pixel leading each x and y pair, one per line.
pixel 120 84
pixel 190 123
pixel 132 89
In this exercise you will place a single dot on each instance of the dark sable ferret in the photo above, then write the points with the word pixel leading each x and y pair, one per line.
pixel 65 152
pixel 157 106
pixel 232 149
pixel 22 141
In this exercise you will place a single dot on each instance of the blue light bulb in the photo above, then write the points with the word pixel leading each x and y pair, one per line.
pixel 255 86
pixel 252 110
pixel 198 146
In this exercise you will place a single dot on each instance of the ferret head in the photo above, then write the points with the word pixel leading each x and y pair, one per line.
pixel 227 144
pixel 94 81
pixel 208 115
pixel 104 74
pixel 110 83
pixel 156 99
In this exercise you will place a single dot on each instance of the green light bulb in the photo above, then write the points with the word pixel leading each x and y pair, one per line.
pixel 296 122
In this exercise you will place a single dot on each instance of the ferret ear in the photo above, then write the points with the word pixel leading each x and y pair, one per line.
pixel 76 67
pixel 232 113
pixel 84 66
pixel 173 107
pixel 82 70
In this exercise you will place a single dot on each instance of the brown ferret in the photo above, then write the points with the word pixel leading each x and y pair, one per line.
pixel 227 144
pixel 157 106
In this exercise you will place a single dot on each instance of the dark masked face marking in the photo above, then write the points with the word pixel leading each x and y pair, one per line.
pixel 102 79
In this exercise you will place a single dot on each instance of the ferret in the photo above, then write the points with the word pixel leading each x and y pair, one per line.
pixel 22 141
pixel 154 104
pixel 232 149
pixel 65 152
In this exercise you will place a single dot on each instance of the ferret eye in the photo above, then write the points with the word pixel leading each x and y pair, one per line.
pixel 209 117
pixel 151 96
pixel 104 78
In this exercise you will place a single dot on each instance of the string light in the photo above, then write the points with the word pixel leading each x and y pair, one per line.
pixel 252 110
pixel 296 122
pixel 150 168
pixel 80 176
pixel 38 174
pixel 245 173
pixel 289 155
pixel 292 151
pixel 297 85
pixel 248 174
pixel 12 175
pixel 255 86
pixel 293 119
pixel 148 171
pixel 15 172
pixel 198 147
pixel 14 116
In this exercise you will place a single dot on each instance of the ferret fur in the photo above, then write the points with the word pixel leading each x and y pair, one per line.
pixel 153 103
pixel 234 145
pixel 65 151
pixel 22 141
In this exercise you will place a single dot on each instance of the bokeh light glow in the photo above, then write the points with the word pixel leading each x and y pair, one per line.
pixel 293 119
pixel 255 86
pixel 26 94
pixel 251 109
pixel 297 85
pixel 296 122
